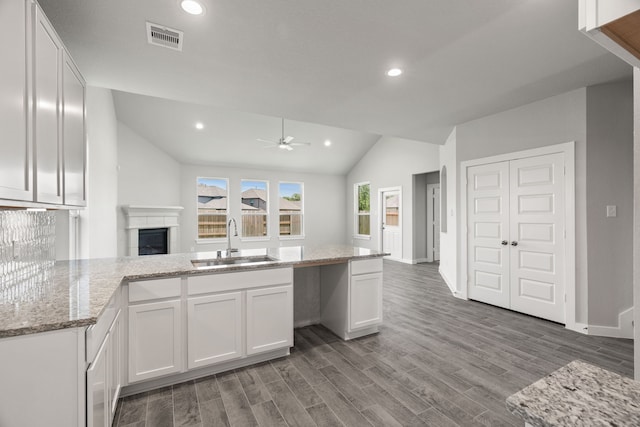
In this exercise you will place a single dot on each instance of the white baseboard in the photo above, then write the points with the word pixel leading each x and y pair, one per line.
pixel 580 328
pixel 623 330
pixel 450 284
pixel 419 260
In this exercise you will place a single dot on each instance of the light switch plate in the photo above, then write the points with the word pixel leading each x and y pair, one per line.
pixel 611 211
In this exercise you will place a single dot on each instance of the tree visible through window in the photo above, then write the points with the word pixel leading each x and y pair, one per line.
pixel 255 208
pixel 290 208
pixel 363 209
pixel 212 208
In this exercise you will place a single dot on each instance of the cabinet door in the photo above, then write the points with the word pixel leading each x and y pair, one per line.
pixel 47 133
pixel 114 364
pixel 214 325
pixel 97 400
pixel 365 301
pixel 73 134
pixel 269 319
pixel 15 161
pixel 155 340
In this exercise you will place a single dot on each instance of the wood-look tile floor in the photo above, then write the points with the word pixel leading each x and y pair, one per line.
pixel 438 361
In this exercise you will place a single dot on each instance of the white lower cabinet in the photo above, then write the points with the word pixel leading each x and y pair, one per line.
pixel 214 325
pixel 97 405
pixel 155 340
pixel 269 319
pixel 104 378
pixel 365 301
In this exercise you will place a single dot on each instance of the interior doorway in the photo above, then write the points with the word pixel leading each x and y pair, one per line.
pixel 391 222
pixel 426 217
pixel 433 222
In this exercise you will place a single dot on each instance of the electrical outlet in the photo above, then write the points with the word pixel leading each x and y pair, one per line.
pixel 611 211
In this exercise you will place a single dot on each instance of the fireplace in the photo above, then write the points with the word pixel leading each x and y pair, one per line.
pixel 152 229
pixel 153 241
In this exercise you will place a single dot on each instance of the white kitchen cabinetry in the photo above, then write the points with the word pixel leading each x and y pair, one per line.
pixel 269 319
pixel 73 133
pixel 15 162
pixel 155 329
pixel 214 329
pixel 104 356
pixel 47 77
pixel 97 401
pixel 41 112
pixel 351 297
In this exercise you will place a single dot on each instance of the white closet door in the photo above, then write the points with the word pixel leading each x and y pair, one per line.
pixel 487 233
pixel 537 231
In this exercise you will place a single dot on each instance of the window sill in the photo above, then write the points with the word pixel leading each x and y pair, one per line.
pixel 210 241
pixel 291 237
pixel 361 237
pixel 255 239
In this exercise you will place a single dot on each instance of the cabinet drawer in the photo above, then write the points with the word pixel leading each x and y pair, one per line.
pixel 96 333
pixel 239 280
pixel 154 289
pixel 364 266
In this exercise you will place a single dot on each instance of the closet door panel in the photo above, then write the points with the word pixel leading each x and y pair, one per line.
pixel 487 230
pixel 537 229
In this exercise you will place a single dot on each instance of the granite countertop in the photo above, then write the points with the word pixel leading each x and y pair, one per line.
pixel 579 394
pixel 73 293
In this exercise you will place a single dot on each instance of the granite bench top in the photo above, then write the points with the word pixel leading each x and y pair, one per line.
pixel 72 294
pixel 579 394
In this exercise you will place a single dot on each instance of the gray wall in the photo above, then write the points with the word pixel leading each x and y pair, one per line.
pixel 392 162
pixel 609 182
pixel 147 176
pixel 551 121
pixel 323 199
pixel 636 228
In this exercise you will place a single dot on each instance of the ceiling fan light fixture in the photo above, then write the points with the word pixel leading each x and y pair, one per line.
pixel 192 7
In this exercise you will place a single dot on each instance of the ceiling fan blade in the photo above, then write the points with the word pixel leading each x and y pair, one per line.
pixel 289 147
pixel 299 143
pixel 270 146
pixel 288 139
pixel 267 141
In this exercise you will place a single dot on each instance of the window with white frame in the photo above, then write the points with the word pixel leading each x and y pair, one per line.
pixel 290 209
pixel 362 209
pixel 255 208
pixel 213 207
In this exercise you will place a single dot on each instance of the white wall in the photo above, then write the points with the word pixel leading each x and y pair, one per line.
pixel 98 219
pixel 324 205
pixel 391 162
pixel 146 176
pixel 554 120
pixel 610 182
pixel 448 240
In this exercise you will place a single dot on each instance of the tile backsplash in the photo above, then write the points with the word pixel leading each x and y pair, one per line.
pixel 27 253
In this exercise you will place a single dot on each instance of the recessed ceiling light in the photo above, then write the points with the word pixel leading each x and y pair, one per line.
pixel 327 143
pixel 192 7
pixel 199 126
pixel 394 72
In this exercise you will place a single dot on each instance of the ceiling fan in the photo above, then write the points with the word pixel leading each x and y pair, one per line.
pixel 284 143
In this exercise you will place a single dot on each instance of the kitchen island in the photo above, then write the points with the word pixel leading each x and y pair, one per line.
pixel 95 327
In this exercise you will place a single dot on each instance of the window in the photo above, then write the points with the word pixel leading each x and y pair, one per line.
pixel 212 208
pixel 255 208
pixel 363 209
pixel 290 208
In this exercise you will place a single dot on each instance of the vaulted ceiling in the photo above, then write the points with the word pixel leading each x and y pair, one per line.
pixel 324 62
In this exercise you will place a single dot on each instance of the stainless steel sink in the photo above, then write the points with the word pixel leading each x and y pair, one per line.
pixel 238 261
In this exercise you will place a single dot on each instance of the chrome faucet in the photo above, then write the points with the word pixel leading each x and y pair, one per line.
pixel 235 227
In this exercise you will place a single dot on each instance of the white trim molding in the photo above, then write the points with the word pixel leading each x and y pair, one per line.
pixel 144 217
pixel 623 330
pixel 568 149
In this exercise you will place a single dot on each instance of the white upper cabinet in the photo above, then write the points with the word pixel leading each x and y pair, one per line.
pixel 73 133
pixel 15 160
pixel 42 112
pixel 613 24
pixel 47 131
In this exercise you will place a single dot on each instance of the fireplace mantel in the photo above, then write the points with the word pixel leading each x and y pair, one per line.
pixel 143 217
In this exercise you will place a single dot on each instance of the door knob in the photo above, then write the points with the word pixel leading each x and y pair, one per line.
pixel 514 243
pixel 504 243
